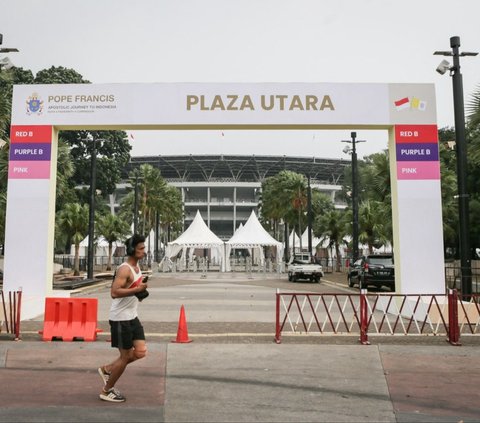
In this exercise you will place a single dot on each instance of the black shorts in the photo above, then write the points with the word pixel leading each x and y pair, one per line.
pixel 124 332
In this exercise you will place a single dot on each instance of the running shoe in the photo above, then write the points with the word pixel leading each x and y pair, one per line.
pixel 112 395
pixel 104 375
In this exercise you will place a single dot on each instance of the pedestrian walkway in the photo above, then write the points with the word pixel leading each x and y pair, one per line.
pixel 241 377
pixel 198 382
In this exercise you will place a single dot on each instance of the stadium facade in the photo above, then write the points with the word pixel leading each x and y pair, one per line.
pixel 226 188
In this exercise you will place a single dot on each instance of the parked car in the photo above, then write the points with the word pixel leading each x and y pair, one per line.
pixel 374 269
pixel 301 267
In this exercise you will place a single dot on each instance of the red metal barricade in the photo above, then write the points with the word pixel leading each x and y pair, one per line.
pixel 453 328
pixel 377 314
pixel 12 312
pixel 363 318
pixel 70 319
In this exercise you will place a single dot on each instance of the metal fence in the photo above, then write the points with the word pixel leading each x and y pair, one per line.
pixel 99 262
pixel 453 275
pixel 11 306
pixel 380 314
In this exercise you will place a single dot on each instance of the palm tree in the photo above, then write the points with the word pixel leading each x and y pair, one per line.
pixel 372 215
pixel 270 204
pixel 331 226
pixel 297 191
pixel 157 198
pixel 473 107
pixel 73 220
pixel 376 175
pixel 65 170
pixel 112 228
pixel 153 192
pixel 170 210
pixel 3 207
pixel 4 151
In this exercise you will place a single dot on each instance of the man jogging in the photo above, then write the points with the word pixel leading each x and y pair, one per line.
pixel 126 329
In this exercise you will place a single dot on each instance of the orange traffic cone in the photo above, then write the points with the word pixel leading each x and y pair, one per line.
pixel 182 332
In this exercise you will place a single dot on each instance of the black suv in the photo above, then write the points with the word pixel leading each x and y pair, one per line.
pixel 374 269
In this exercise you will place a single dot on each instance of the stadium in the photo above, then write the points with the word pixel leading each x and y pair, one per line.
pixel 226 188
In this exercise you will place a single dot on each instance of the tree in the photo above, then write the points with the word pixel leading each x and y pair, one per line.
pixel 270 204
pixel 171 212
pixel 65 192
pixel 113 148
pixel 112 228
pixel 473 107
pixel 448 177
pixel 112 155
pixel 8 78
pixel 285 196
pixel 3 207
pixel 155 198
pixel 372 230
pixel 331 225
pixel 73 221
pixel 376 177
pixel 59 75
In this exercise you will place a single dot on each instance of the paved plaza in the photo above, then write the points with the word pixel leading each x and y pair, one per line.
pixel 233 371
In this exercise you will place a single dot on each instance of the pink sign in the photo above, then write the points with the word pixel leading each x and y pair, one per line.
pixel 418 170
pixel 29 170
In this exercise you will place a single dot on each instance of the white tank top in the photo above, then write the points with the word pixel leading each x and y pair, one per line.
pixel 125 308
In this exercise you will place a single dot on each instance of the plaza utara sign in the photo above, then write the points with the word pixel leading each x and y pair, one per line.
pixel 39 111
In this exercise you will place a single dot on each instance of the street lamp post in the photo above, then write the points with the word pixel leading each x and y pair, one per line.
pixel 355 230
pixel 91 216
pixel 309 217
pixel 135 205
pixel 5 62
pixel 461 148
pixel 6 49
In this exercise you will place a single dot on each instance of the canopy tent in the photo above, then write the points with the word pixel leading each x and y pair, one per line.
pixel 197 235
pixel 315 241
pixel 239 228
pixel 150 243
pixel 100 247
pixel 253 236
pixel 294 239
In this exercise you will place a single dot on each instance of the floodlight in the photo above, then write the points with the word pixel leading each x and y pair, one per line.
pixel 443 67
pixel 6 63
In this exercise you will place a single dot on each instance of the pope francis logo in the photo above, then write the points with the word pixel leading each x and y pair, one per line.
pixel 34 105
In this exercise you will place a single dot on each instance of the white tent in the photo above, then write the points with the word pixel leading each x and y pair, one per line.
pixel 150 242
pixel 295 239
pixel 315 241
pixel 197 235
pixel 239 228
pixel 100 247
pixel 252 235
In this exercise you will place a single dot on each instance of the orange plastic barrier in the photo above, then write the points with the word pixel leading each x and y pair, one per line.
pixel 70 318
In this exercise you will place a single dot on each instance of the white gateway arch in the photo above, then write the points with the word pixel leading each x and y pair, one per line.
pixel 407 111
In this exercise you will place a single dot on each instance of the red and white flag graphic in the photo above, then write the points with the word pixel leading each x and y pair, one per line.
pixel 402 104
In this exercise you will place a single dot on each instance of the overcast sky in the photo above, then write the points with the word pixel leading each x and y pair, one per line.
pixel 124 41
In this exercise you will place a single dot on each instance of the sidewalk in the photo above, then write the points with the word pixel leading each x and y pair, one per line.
pixel 237 378
pixel 196 382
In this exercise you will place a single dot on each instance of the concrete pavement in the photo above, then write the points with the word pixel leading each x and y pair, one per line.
pixel 242 376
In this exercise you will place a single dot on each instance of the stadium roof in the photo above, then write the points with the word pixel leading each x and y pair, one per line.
pixel 209 168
